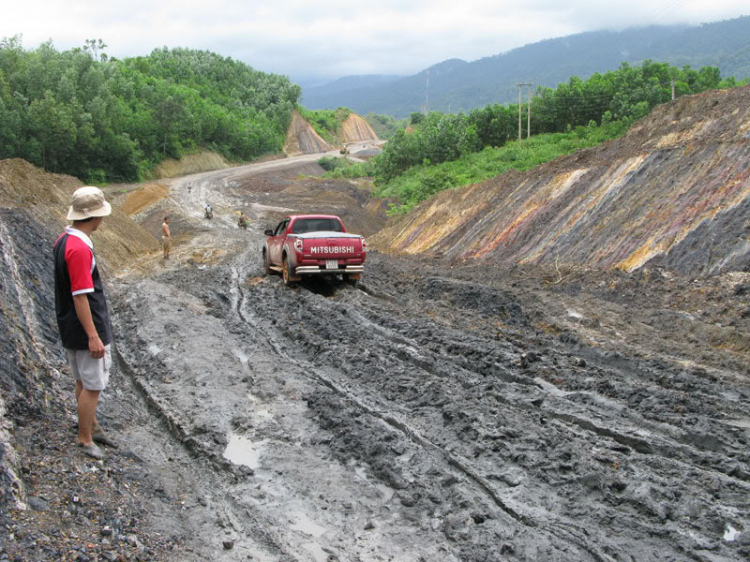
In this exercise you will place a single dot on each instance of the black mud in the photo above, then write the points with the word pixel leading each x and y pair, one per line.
pixel 438 411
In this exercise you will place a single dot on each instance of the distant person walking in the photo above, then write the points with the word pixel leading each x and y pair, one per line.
pixel 244 220
pixel 166 237
pixel 82 315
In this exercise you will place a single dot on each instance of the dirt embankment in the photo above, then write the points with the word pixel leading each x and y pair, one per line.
pixel 356 129
pixel 301 138
pixel 203 161
pixel 674 191
pixel 27 189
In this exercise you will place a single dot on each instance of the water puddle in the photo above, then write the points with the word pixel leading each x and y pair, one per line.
pixel 239 354
pixel 306 525
pixel 731 534
pixel 241 450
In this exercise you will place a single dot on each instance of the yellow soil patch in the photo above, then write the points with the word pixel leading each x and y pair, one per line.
pixel 119 241
pixel 356 129
pixel 203 161
pixel 148 194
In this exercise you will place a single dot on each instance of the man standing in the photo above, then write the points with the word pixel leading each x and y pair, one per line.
pixel 166 237
pixel 82 316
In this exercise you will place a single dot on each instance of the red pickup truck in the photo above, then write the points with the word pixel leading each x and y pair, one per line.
pixel 314 245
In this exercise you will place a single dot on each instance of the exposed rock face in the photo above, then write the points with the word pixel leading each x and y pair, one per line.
pixel 356 129
pixel 675 190
pixel 302 138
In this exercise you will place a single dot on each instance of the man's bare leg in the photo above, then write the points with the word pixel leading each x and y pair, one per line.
pixel 87 401
pixel 79 389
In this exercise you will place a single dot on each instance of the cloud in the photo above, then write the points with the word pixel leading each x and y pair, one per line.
pixel 331 38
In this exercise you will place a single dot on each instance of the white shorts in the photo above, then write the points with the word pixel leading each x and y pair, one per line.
pixel 93 373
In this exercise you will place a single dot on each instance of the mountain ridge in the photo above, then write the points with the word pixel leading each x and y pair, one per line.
pixel 456 85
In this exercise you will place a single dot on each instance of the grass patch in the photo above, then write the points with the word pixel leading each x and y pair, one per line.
pixel 326 122
pixel 342 169
pixel 423 181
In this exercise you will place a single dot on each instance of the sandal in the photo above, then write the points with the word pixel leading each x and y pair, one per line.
pixel 92 451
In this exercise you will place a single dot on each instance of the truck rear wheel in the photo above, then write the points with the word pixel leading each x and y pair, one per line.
pixel 287 274
pixel 352 279
pixel 266 264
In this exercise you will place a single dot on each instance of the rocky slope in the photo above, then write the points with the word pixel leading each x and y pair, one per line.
pixel 675 191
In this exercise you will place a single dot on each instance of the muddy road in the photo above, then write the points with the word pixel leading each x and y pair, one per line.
pixel 436 412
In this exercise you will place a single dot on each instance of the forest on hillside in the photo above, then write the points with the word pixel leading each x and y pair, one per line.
pixel 82 113
pixel 628 93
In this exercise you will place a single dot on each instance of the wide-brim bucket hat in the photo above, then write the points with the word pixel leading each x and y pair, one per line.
pixel 88 201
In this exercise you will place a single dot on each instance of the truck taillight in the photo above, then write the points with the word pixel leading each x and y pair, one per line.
pixel 298 245
pixel 364 245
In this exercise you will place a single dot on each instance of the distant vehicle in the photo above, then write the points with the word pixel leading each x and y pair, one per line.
pixel 303 245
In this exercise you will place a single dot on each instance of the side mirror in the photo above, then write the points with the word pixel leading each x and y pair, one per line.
pixel 268 232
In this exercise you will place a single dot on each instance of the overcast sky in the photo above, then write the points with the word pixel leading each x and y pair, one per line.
pixel 338 37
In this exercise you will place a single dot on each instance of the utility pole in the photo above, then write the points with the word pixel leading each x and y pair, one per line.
pixel 528 127
pixel 520 103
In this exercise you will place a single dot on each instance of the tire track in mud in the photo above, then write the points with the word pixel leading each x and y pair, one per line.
pixel 255 531
pixel 146 368
pixel 629 447
pixel 393 421
pixel 402 426
pixel 380 413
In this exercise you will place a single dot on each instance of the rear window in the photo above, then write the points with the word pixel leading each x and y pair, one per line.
pixel 301 226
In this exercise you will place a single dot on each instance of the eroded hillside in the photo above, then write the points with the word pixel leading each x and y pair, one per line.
pixel 301 138
pixel 356 129
pixel 674 191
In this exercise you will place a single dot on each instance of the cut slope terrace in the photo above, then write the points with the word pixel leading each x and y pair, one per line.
pixel 675 191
